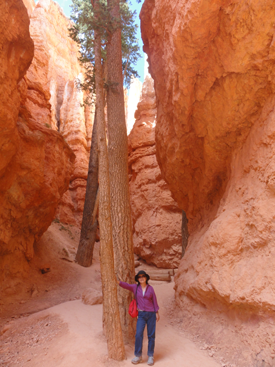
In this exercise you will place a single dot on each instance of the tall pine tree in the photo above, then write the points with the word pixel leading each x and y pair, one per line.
pixel 112 326
pixel 82 32
pixel 119 53
pixel 118 168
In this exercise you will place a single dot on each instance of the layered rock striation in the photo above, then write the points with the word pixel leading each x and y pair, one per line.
pixel 35 162
pixel 156 216
pixel 213 64
pixel 55 100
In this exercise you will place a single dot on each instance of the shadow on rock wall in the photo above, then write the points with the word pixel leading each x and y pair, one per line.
pixel 36 162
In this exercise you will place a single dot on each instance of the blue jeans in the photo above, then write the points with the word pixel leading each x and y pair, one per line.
pixel 144 318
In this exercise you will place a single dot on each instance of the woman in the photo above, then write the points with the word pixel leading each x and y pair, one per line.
pixel 147 314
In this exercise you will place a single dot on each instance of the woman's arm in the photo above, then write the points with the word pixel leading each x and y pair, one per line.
pixel 155 302
pixel 156 306
pixel 129 287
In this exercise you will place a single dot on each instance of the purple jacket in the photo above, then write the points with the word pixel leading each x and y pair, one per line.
pixel 148 302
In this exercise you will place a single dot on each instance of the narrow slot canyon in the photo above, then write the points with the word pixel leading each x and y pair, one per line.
pixel 200 132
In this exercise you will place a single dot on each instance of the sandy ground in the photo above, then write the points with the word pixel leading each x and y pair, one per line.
pixel 46 324
pixel 71 334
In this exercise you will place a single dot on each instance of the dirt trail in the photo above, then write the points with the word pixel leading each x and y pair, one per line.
pixel 71 334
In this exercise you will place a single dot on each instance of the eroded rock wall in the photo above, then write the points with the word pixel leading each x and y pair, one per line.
pixel 35 162
pixel 54 99
pixel 213 63
pixel 156 216
pixel 233 259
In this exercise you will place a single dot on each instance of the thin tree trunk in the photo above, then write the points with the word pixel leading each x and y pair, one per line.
pixel 118 161
pixel 111 317
pixel 84 255
pixel 95 208
pixel 184 232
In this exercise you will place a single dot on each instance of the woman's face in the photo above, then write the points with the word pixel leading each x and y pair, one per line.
pixel 142 279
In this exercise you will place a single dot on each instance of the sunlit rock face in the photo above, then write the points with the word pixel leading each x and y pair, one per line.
pixel 54 99
pixel 35 162
pixel 156 217
pixel 233 258
pixel 132 102
pixel 213 64
pixel 30 5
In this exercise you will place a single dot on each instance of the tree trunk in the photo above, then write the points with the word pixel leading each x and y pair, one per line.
pixel 118 161
pixel 184 233
pixel 111 317
pixel 84 255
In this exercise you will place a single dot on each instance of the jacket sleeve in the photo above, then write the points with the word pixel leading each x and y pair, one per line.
pixel 155 302
pixel 130 287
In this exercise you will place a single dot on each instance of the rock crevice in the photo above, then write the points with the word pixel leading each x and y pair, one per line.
pixel 156 217
pixel 54 99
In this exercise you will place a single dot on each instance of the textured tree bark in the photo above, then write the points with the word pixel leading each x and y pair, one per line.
pixel 111 317
pixel 184 233
pixel 118 161
pixel 84 255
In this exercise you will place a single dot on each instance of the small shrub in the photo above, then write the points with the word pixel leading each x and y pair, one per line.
pixel 62 228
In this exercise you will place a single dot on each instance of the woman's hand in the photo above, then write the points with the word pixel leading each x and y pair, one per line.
pixel 157 316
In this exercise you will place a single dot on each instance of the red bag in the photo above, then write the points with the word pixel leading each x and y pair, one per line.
pixel 133 312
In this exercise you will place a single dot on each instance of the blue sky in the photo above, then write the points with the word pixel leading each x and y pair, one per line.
pixel 65 5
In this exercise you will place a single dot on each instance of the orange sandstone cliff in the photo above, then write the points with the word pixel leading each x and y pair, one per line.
pixel 213 64
pixel 35 162
pixel 156 217
pixel 54 99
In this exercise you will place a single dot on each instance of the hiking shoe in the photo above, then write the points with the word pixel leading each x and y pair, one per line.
pixel 136 360
pixel 150 361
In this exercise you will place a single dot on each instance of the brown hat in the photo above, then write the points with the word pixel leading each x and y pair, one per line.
pixel 141 272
